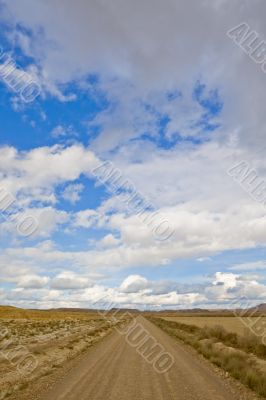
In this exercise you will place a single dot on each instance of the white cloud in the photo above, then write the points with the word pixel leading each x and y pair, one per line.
pixel 250 266
pixel 228 287
pixel 32 282
pixel 42 221
pixel 32 178
pixel 72 290
pixel 134 284
pixel 86 218
pixel 43 167
pixel 109 241
pixel 69 280
pixel 60 130
pixel 142 52
pixel 148 47
pixel 72 192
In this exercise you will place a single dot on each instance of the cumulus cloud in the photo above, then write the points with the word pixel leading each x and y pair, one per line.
pixel 69 280
pixel 72 290
pixel 42 168
pixel 72 193
pixel 228 287
pixel 160 67
pixel 136 45
pixel 32 282
pixel 86 218
pixel 109 241
pixel 134 284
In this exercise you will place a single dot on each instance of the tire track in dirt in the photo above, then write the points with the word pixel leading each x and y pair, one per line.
pixel 114 370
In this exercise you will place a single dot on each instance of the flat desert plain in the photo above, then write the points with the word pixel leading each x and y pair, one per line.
pixel 241 326
pixel 82 355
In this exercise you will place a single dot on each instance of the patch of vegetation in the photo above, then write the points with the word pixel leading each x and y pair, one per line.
pixel 238 362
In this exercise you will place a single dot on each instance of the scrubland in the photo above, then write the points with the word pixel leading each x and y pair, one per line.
pixel 243 356
pixel 34 344
pixel 238 325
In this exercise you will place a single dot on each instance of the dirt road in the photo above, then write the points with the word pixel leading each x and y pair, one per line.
pixel 113 370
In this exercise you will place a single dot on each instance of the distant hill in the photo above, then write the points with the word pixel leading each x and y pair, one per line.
pixel 14 312
pixel 8 308
pixel 92 310
pixel 11 312
pixel 69 309
pixel 130 310
pixel 261 308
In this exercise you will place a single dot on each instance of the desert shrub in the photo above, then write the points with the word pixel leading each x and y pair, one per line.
pixel 252 344
pixel 238 363
pixel 218 332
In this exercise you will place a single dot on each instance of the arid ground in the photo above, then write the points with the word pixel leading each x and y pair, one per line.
pixel 92 355
pixel 231 324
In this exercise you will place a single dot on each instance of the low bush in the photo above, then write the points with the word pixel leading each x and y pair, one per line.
pixel 237 363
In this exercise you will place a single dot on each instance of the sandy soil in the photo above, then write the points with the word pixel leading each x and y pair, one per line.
pixel 49 344
pixel 114 370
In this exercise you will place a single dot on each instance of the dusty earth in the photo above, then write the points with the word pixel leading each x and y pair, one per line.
pixel 114 370
pixel 32 350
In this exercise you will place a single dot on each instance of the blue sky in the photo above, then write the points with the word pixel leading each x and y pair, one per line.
pixel 171 114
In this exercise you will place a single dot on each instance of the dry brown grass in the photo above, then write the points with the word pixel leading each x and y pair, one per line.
pixel 7 312
pixel 231 324
pixel 227 350
pixel 51 337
